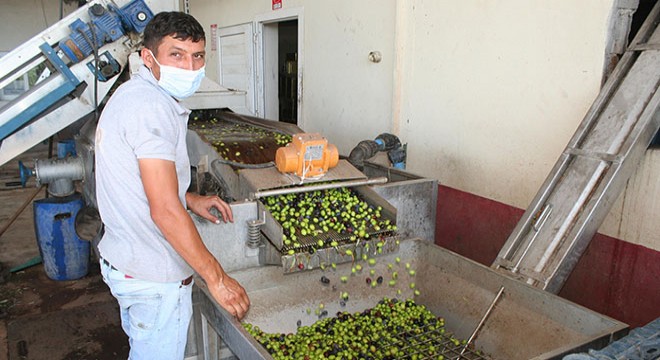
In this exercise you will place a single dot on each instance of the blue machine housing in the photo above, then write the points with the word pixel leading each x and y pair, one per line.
pixel 105 26
pixel 135 16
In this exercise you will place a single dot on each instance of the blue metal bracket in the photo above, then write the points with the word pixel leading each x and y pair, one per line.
pixel 110 68
pixel 59 64
pixel 42 104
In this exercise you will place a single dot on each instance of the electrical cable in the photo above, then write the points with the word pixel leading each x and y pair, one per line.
pixel 305 169
pixel 308 168
pixel 96 70
pixel 245 166
pixel 96 64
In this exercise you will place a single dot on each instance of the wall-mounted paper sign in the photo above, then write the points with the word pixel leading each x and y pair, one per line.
pixel 214 37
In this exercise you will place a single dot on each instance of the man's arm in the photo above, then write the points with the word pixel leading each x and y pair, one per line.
pixel 161 187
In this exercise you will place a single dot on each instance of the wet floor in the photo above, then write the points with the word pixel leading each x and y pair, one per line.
pixel 41 318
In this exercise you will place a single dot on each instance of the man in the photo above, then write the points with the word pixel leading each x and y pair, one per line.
pixel 151 246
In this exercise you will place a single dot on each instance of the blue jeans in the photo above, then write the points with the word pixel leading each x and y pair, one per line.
pixel 155 316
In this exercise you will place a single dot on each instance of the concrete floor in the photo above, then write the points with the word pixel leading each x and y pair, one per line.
pixel 41 318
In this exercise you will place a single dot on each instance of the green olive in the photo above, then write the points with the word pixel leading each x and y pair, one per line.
pixel 363 334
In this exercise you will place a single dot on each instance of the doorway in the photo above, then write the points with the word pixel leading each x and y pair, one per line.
pixel 288 70
pixel 279 78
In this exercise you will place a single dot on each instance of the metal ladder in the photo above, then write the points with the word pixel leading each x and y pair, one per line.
pixel 592 171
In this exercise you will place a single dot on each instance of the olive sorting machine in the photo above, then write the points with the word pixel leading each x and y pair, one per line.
pixel 502 317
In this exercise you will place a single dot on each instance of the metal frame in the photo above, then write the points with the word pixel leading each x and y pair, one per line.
pixel 45 96
pixel 63 114
pixel 298 14
pixel 591 173
pixel 273 292
pixel 64 97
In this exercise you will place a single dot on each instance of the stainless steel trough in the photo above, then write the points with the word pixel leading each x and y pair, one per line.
pixel 518 322
pixel 524 323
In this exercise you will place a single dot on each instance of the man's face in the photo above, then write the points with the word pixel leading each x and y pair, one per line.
pixel 184 54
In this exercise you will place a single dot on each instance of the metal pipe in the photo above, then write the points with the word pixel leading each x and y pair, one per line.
pixel 50 170
pixel 483 320
pixel 59 174
pixel 536 226
pixel 301 189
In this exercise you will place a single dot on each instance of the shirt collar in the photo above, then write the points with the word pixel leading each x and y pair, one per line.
pixel 145 73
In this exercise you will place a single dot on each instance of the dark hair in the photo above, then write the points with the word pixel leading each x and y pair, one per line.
pixel 179 25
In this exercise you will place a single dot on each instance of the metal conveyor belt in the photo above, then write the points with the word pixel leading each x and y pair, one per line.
pixel 592 171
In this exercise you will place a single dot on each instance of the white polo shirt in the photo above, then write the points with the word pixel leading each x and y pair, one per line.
pixel 139 121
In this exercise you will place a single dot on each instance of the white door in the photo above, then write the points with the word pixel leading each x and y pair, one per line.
pixel 236 61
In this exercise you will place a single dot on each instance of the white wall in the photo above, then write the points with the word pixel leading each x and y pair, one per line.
pixel 20 20
pixel 345 97
pixel 492 91
pixel 224 13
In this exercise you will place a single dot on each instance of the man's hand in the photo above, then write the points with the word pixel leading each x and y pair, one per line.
pixel 201 205
pixel 230 295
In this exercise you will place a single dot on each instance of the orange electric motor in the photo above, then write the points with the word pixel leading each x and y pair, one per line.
pixel 307 155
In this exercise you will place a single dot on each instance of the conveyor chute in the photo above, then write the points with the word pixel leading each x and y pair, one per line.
pixel 82 55
pixel 592 171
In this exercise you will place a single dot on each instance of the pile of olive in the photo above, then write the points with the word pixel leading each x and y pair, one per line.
pixel 229 138
pixel 325 215
pixel 224 129
pixel 391 330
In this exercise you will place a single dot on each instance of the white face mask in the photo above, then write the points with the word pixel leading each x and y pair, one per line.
pixel 179 83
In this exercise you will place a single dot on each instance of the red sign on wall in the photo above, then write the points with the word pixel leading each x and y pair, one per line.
pixel 214 35
pixel 277 4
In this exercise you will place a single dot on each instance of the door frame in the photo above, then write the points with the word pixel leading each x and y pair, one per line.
pixel 248 30
pixel 259 37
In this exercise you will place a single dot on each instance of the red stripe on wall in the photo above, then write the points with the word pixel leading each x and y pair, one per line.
pixel 613 277
pixel 473 226
pixel 618 279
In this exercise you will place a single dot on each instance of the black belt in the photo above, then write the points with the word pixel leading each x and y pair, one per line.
pixel 184 282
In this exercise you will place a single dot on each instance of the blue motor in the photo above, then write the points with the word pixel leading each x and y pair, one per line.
pixel 107 25
pixel 135 16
